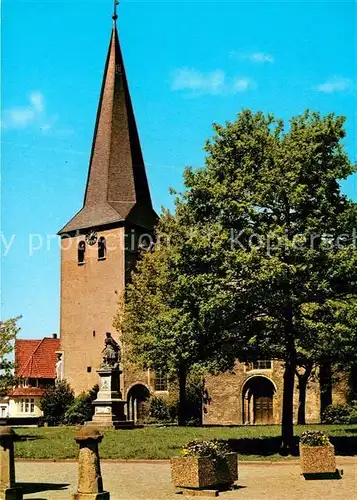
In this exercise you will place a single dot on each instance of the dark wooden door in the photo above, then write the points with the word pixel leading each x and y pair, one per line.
pixel 263 409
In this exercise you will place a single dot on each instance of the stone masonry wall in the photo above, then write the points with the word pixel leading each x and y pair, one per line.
pixel 225 395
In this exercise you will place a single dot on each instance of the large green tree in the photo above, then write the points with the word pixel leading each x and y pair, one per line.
pixel 291 263
pixel 8 332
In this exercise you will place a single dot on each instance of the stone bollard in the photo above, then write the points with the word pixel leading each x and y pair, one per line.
pixel 8 489
pixel 90 483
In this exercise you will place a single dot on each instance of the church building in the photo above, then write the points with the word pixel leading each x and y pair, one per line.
pixel 98 250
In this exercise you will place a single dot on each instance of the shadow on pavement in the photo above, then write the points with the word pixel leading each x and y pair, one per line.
pixel 344 445
pixel 323 475
pixel 28 488
pixel 265 446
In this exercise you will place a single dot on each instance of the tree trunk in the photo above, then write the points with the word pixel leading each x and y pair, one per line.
pixel 287 426
pixel 303 380
pixel 325 386
pixel 182 417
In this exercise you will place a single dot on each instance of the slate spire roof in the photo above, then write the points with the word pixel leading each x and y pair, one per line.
pixel 117 188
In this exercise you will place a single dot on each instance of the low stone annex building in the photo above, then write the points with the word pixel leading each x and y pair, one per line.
pixel 98 250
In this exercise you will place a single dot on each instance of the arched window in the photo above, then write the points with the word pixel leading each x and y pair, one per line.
pixel 102 248
pixel 81 252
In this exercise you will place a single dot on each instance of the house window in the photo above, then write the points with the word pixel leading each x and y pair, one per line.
pixel 261 364
pixel 160 381
pixel 81 252
pixel 27 405
pixel 102 248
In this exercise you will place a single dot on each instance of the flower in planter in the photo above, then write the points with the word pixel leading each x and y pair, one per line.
pixel 317 455
pixel 204 464
pixel 314 438
pixel 215 448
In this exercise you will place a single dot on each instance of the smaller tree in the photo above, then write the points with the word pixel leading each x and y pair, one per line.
pixel 56 401
pixel 163 322
pixel 8 332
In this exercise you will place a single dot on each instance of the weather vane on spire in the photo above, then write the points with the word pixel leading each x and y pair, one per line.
pixel 115 15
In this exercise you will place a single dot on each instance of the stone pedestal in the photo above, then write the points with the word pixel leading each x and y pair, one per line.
pixel 90 483
pixel 109 406
pixel 8 489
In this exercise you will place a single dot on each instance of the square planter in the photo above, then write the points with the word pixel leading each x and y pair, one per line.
pixel 317 459
pixel 204 472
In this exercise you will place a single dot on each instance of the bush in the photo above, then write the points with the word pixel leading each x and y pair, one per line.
pixel 340 414
pixel 80 410
pixel 55 402
pixel 314 438
pixel 165 409
pixel 194 397
pixel 159 409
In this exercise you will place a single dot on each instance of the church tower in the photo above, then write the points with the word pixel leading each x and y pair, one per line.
pixel 98 243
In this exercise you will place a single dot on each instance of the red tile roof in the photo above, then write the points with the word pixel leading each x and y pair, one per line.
pixel 27 391
pixel 36 358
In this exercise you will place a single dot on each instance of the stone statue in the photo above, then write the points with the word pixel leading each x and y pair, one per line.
pixel 111 358
pixel 59 367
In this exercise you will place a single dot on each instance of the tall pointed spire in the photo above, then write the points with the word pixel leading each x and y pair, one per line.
pixel 117 188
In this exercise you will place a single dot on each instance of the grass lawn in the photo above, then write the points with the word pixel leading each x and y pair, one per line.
pixel 251 442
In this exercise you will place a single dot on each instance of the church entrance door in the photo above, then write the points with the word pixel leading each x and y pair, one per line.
pixel 258 393
pixel 137 396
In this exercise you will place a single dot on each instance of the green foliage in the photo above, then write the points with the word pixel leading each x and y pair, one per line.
pixel 165 408
pixel 55 402
pixel 194 398
pixel 215 448
pixel 159 409
pixel 80 410
pixel 340 414
pixel 314 438
pixel 8 332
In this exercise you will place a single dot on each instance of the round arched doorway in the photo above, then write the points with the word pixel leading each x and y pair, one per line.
pixel 137 396
pixel 258 396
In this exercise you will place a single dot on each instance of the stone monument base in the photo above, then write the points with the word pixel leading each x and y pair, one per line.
pixel 109 407
pixel 115 424
pixel 109 415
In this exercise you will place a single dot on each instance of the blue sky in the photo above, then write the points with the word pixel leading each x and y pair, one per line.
pixel 189 64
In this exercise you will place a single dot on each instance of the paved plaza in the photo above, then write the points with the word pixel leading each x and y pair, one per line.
pixel 151 481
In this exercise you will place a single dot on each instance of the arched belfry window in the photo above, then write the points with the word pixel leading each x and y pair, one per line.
pixel 102 248
pixel 81 252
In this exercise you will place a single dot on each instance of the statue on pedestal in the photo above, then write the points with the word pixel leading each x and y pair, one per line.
pixel 109 407
pixel 111 357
